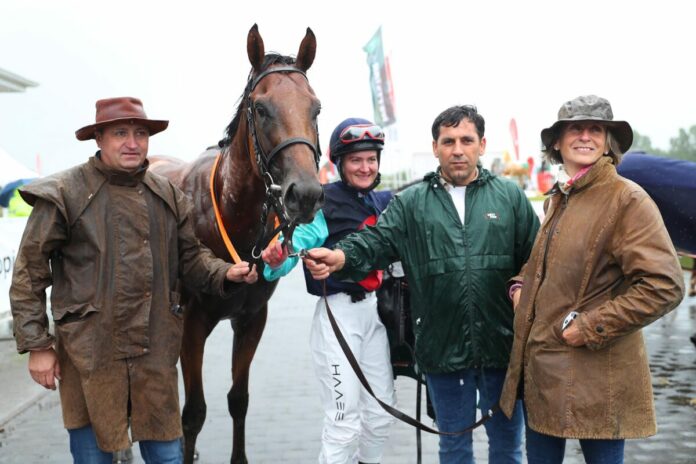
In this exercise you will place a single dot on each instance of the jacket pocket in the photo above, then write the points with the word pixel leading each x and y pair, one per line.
pixel 72 313
pixel 76 328
pixel 440 266
pixel 557 330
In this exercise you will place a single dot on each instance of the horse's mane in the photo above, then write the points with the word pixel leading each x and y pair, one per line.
pixel 269 60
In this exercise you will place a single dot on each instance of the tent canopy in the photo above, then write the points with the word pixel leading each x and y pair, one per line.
pixel 7 191
pixel 12 170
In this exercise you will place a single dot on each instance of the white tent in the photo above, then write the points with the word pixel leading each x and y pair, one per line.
pixel 11 169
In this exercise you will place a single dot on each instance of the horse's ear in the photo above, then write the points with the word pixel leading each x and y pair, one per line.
pixel 308 48
pixel 255 48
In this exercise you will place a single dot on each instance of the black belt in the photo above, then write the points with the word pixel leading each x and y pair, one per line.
pixel 357 296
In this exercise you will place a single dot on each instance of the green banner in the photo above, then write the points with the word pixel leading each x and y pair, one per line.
pixel 380 81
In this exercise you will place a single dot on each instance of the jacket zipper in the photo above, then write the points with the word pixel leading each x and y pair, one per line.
pixel 474 346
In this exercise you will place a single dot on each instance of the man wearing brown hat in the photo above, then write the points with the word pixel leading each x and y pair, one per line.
pixel 114 242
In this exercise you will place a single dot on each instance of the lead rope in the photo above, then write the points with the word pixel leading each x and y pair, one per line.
pixel 391 410
pixel 221 224
pixel 218 217
pixel 419 388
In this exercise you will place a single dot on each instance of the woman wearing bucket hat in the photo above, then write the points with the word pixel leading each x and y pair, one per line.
pixel 355 427
pixel 602 267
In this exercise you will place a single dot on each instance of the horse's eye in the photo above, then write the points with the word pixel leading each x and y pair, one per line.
pixel 261 111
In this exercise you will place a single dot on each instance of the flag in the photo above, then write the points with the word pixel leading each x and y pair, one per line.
pixel 38 164
pixel 515 139
pixel 380 81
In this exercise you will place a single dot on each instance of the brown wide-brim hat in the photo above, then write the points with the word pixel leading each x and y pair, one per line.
pixel 589 108
pixel 127 109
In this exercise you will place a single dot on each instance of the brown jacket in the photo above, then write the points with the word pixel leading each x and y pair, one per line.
pixel 604 252
pixel 112 247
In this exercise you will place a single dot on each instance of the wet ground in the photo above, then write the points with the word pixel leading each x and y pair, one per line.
pixel 284 419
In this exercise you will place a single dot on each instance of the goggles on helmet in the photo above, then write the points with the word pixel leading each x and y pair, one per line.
pixel 360 132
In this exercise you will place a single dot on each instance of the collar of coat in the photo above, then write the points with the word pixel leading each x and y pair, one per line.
pixel 484 175
pixel 72 190
pixel 604 166
pixel 117 177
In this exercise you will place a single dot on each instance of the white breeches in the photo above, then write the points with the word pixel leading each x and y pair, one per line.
pixel 355 426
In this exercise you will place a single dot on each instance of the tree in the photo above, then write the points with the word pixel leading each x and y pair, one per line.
pixel 683 146
pixel 642 143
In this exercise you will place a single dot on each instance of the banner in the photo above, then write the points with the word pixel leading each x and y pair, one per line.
pixel 515 139
pixel 380 81
pixel 11 230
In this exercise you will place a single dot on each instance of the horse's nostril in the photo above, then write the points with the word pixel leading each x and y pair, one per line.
pixel 290 194
pixel 303 199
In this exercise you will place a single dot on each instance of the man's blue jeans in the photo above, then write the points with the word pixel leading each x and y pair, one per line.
pixel 84 449
pixel 545 449
pixel 454 400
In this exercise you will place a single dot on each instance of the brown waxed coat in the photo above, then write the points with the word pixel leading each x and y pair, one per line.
pixel 117 245
pixel 604 252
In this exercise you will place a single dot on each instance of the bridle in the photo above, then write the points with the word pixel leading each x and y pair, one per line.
pixel 274 195
pixel 263 160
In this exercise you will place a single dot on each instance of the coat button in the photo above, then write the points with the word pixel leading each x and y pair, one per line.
pixel 145 350
pixel 599 329
pixel 538 275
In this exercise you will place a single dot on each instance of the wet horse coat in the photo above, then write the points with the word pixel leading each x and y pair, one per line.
pixel 271 145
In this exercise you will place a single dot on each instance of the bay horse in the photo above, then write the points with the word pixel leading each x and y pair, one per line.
pixel 263 172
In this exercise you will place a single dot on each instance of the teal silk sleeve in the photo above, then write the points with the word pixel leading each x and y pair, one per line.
pixel 306 236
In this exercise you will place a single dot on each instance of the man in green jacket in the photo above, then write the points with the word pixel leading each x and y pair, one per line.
pixel 461 233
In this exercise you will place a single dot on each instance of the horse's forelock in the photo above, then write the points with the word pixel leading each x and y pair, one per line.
pixel 270 59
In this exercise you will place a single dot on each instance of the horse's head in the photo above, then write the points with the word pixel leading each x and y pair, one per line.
pixel 282 112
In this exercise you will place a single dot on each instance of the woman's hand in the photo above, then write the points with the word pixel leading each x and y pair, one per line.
pixel 516 298
pixel 572 336
pixel 274 255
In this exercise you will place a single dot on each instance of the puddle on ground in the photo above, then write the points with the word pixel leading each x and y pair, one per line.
pixel 680 400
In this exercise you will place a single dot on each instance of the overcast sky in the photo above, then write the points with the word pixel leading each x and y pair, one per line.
pixel 513 59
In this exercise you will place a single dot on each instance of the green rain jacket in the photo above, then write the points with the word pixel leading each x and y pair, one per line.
pixel 462 316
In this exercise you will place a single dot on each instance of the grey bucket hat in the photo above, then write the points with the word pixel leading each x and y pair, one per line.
pixel 589 108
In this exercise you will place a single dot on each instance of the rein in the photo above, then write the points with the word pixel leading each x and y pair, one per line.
pixel 391 410
pixel 274 197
